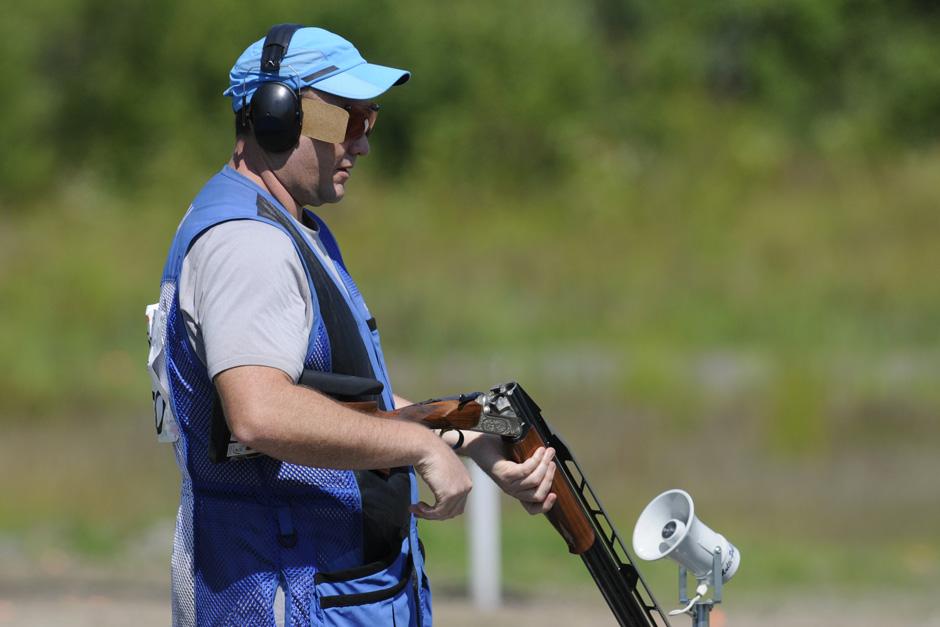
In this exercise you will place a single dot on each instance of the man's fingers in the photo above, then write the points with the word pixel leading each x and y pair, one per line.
pixel 521 471
pixel 423 510
pixel 549 502
pixel 537 495
pixel 546 484
pixel 442 510
pixel 540 508
pixel 427 512
pixel 535 479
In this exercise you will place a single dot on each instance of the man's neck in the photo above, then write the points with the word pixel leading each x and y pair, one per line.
pixel 264 178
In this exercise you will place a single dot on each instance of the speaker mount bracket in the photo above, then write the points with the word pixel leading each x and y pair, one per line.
pixel 698 607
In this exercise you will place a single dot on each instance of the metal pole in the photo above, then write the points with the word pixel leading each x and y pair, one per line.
pixel 700 614
pixel 483 527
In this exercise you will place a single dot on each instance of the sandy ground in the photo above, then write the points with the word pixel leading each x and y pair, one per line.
pixel 83 599
pixel 54 588
pixel 100 610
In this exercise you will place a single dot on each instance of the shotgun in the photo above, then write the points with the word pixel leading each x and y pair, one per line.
pixel 507 411
pixel 578 516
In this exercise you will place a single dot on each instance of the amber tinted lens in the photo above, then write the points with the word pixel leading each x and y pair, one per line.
pixel 361 121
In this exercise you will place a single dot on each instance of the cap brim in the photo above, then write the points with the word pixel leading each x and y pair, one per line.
pixel 362 82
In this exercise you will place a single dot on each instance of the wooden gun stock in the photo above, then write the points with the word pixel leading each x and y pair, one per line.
pixel 436 414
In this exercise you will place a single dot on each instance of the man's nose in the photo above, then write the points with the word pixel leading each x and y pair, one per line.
pixel 359 146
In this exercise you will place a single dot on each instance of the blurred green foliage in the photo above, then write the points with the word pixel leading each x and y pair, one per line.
pixel 685 221
pixel 516 92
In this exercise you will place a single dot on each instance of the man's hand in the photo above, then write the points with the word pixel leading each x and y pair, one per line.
pixel 530 481
pixel 448 479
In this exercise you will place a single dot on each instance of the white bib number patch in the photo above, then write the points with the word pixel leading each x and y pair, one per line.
pixel 163 419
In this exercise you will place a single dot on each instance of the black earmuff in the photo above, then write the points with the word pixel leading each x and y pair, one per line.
pixel 275 116
pixel 274 113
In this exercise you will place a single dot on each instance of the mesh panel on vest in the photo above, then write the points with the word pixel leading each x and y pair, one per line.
pixel 236 554
pixel 181 563
pixel 320 358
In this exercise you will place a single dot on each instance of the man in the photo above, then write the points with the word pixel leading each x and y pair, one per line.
pixel 255 291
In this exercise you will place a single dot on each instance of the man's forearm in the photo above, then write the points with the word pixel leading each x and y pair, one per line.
pixel 473 442
pixel 267 412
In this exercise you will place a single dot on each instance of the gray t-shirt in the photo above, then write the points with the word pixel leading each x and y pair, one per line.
pixel 245 299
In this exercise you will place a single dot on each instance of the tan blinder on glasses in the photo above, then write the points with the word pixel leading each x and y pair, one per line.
pixel 334 124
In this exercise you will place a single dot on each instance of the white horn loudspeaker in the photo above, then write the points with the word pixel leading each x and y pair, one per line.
pixel 668 528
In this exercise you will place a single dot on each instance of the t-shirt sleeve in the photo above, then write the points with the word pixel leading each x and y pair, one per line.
pixel 245 299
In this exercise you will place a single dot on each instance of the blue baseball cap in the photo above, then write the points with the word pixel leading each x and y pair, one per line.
pixel 315 58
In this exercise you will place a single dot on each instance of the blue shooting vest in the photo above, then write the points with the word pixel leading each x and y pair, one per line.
pixel 247 527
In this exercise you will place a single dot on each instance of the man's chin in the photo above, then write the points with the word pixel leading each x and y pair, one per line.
pixel 332 194
pixel 339 190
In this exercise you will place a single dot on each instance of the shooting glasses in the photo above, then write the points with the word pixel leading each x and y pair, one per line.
pixel 335 124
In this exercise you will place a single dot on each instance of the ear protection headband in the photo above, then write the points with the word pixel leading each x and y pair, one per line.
pixel 275 114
